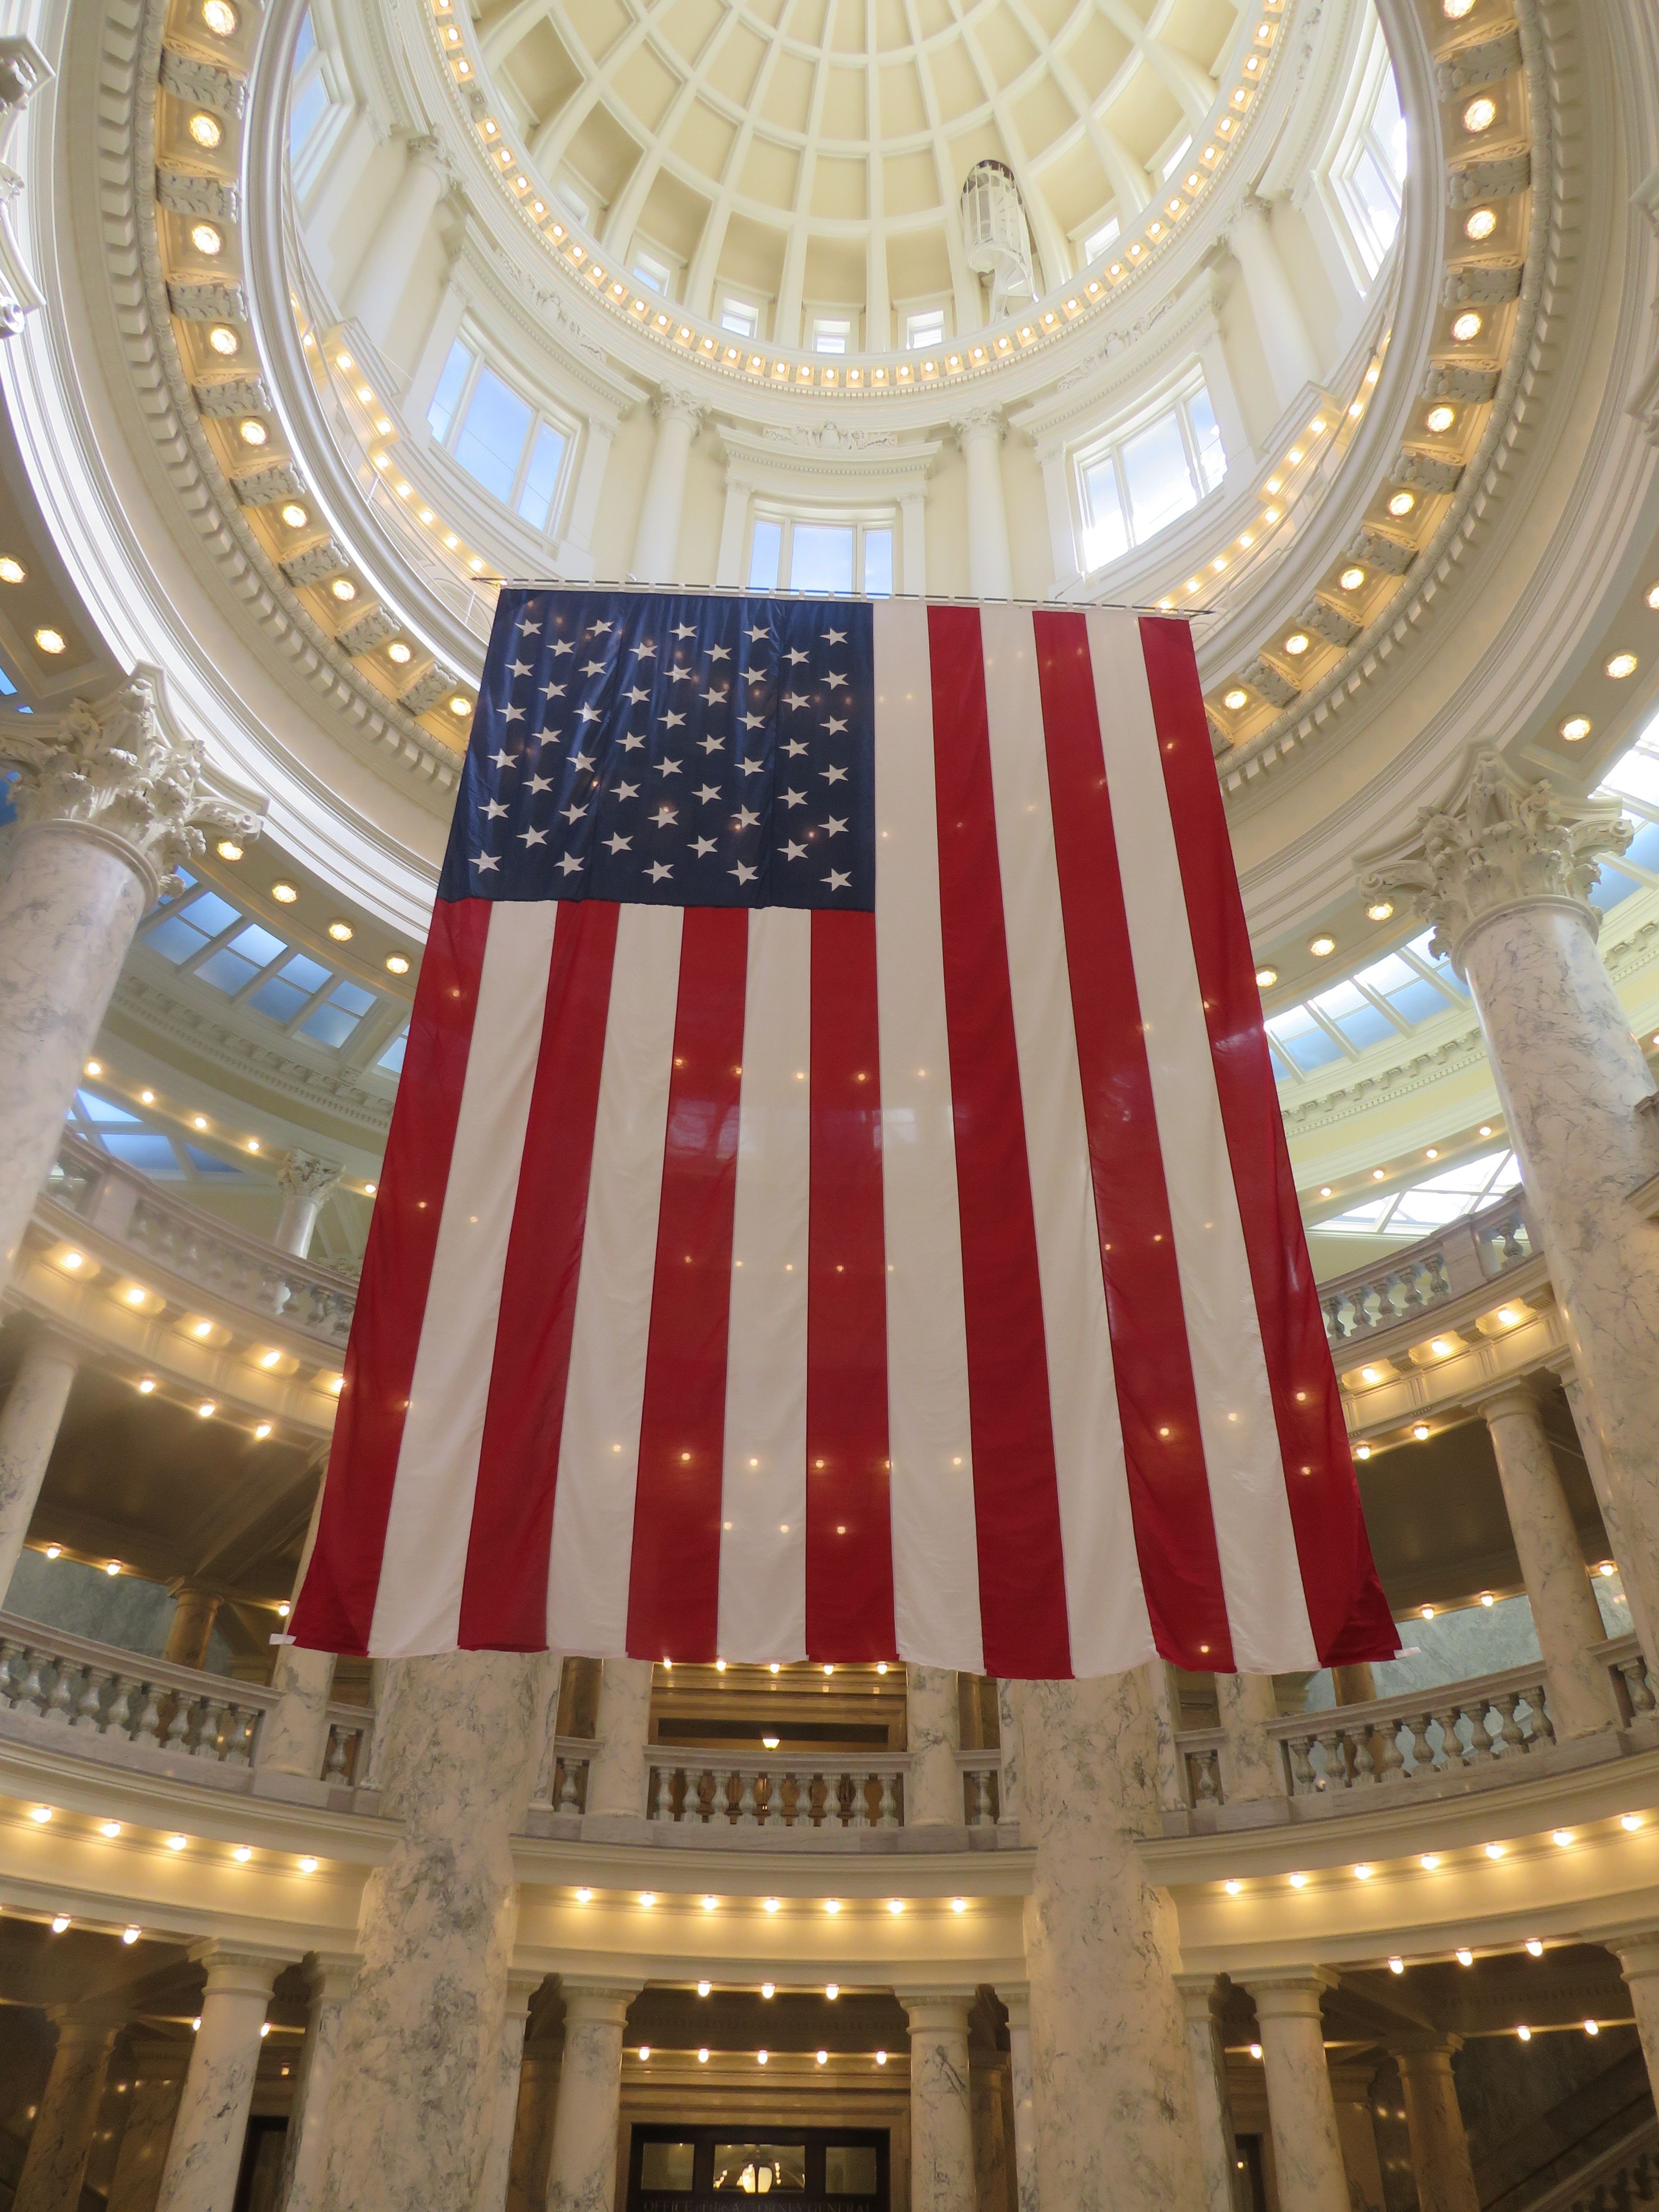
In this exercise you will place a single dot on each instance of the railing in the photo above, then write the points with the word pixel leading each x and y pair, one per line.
pixel 1617 2180
pixel 1459 1258
pixel 1633 1686
pixel 1422 1733
pixel 982 1787
pixel 92 1198
pixel 729 1793
pixel 116 1705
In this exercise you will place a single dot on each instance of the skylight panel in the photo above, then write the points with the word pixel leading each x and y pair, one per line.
pixel 1304 1044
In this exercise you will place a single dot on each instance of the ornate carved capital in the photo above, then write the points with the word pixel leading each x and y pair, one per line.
pixel 109 767
pixel 1498 842
pixel 976 422
pixel 674 404
pixel 302 1174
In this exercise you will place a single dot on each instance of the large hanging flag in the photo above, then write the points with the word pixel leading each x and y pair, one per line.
pixel 837 1206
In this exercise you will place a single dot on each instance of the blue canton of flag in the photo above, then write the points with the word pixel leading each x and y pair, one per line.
pixel 653 748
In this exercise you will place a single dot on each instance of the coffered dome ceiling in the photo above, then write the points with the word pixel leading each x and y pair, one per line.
pixel 810 154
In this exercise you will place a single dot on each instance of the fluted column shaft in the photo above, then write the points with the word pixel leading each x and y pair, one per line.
pixel 60 2143
pixel 581 2168
pixel 1273 305
pixel 1564 1608
pixel 413 2092
pixel 1440 2148
pixel 1215 2120
pixel 657 536
pixel 941 2105
pixel 29 1421
pixel 205 2155
pixel 622 1729
pixel 384 273
pixel 1307 2146
pixel 932 1724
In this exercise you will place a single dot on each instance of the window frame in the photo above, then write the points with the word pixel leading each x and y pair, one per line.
pixel 915 343
pixel 860 520
pixel 1107 446
pixel 542 413
pixel 1350 219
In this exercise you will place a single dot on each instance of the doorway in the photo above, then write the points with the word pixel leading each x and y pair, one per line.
pixel 713 2169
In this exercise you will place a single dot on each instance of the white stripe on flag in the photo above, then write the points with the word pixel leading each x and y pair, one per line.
pixel 1106 1605
pixel 1260 1573
pixel 417 1605
pixel 763 1594
pixel 935 1553
pixel 599 1453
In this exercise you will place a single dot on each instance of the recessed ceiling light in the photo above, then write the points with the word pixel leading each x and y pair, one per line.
pixel 223 340
pixel 205 238
pixel 1402 503
pixel 1467 326
pixel 1455 10
pixel 397 964
pixel 1362 1451
pixel 460 706
pixel 228 849
pixel 1576 728
pixel 1296 642
pixel 13 572
pixel 397 651
pixel 284 893
pixel 1321 947
pixel 1298 1881
pixel 50 640
pixel 220 16
pixel 344 588
pixel 251 432
pixel 198 1120
pixel 1266 978
pixel 1420 1430
pixel 206 130
pixel 1482 224
pixel 1484 1130
pixel 1480 114
pixel 341 932
pixel 1441 419
pixel 1396 1965
pixel 1653 593
pixel 1235 699
pixel 1352 578
pixel 1465 1957
pixel 261 1430
pixel 60 1922
pixel 147 1386
pixel 1620 666
pixel 1380 911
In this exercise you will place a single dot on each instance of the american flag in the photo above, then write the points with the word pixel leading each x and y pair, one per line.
pixel 836 1206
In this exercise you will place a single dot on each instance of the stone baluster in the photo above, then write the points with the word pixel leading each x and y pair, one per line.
pixel 33 1413
pixel 330 1976
pixel 1201 2001
pixel 746 1803
pixel 521 1987
pixel 582 2170
pixel 108 804
pixel 60 2143
pixel 1301 2108
pixel 621 1730
pixel 941 2111
pixel 1564 1608
pixel 657 535
pixel 60 1704
pixel 933 1736
pixel 205 2154
pixel 1440 2148
pixel 1504 869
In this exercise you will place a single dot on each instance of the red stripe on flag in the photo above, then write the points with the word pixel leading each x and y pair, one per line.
pixel 1158 1400
pixel 1346 1607
pixel 336 1607
pixel 1022 1575
pixel 673 1590
pixel 504 1597
pixel 849 1538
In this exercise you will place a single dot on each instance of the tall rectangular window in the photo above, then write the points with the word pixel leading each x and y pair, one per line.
pixel 830 334
pixel 492 437
pixel 1369 174
pixel 1134 484
pixel 541 478
pixel 441 413
pixel 764 556
pixel 925 329
pixel 878 564
pixel 307 98
pixel 651 273
pixel 1105 531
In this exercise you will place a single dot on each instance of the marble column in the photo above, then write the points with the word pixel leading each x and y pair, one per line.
pixel 504 2109
pixel 657 536
pixel 621 1730
pixel 1504 869
pixel 205 2154
pixel 991 2147
pixel 108 804
pixel 941 2107
pixel 990 568
pixel 933 1733
pixel 1564 1608
pixel 330 1976
pixel 1200 1998
pixel 1291 362
pixel 1116 2119
pixel 1440 2148
pixel 306 1183
pixel 194 1612
pixel 1590 1444
pixel 1356 2127
pixel 1008 1743
pixel 152 2107
pixel 1301 2108
pixel 412 2096
pixel 29 1422
pixel 60 2143
pixel 294 1735
pixel 1018 2002
pixel 581 2168
pixel 1638 1961
pixel 1252 1763
pixel 383 274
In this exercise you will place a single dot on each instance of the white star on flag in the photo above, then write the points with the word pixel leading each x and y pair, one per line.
pixel 658 870
pixel 540 783
pixel 837 881
pixel 708 791
pixel 832 827
pixel 504 760
pixel 833 680
pixel 744 875
pixel 628 791
pixel 685 629
pixel 664 816
pixel 487 861
pixel 532 836
pixel 746 819
pixel 493 810
pixel 834 775
pixel 703 847
pixel 794 798
pixel 835 637
pixel 570 864
pixel 518 668
pixel 589 713
pixel 794 852
pixel 617 844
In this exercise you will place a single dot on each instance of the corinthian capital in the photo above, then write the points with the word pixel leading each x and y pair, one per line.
pixel 1498 842
pixel 109 768
pixel 977 423
pixel 302 1174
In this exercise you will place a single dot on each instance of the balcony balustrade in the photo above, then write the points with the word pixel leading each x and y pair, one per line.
pixel 1464 1256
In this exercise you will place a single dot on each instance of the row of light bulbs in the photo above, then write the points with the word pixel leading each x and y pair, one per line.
pixel 1432 1862
pixel 95 1069
pixel 762 2058
pixel 647 1899
pixel 46 639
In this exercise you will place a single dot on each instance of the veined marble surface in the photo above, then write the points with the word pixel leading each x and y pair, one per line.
pixel 582 2170
pixel 1251 1764
pixel 330 1980
pixel 622 1729
pixel 294 1734
pixel 60 2142
pixel 504 2116
pixel 1301 2105
pixel 29 1421
pixel 1008 1735
pixel 933 1736
pixel 1019 2002
pixel 423 2027
pixel 1564 1608
pixel 1639 1962
pixel 1215 2122
pixel 1596 1461
pixel 1116 2125
pixel 205 2154
pixel 152 2102
pixel 1440 2148
pixel 942 2177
